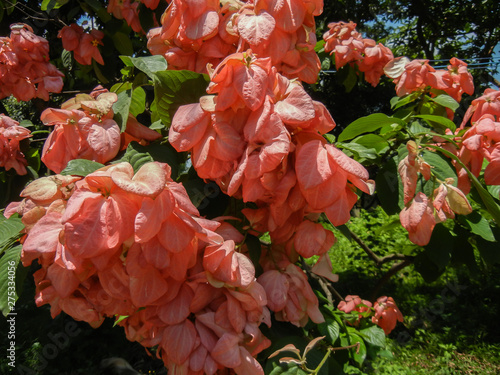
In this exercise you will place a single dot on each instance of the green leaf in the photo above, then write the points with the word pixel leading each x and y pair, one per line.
pixel 66 58
pixel 368 124
pixel 359 150
pixel 441 166
pixel 33 158
pixel 373 141
pixel 147 64
pixel 48 5
pixel 494 190
pixel 320 44
pixel 11 6
pixel 81 167
pixel 350 79
pixel 446 101
pixel 119 319
pixel 331 329
pixel 386 354
pixel 360 354
pixel 440 246
pixel 441 122
pixel 436 255
pixel 490 251
pixel 397 102
pixel 9 230
pixel 326 63
pixel 416 127
pixel 123 43
pixel 329 137
pixel 8 285
pixel 138 103
pixel 374 335
pixel 288 369
pixel 477 224
pixel 157 125
pixel 389 188
pixel 175 88
pixel 121 109
pixel 464 254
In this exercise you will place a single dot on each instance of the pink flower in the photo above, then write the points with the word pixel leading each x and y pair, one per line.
pixel 375 58
pixel 25 71
pixel 408 169
pixel 327 178
pixel 418 219
pixel 354 303
pixel 71 36
pixel 289 295
pixel 386 314
pixel 11 134
pixel 312 239
pixel 87 48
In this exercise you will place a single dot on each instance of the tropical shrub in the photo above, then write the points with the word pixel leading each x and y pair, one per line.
pixel 188 197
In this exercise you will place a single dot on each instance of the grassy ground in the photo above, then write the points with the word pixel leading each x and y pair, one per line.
pixel 451 325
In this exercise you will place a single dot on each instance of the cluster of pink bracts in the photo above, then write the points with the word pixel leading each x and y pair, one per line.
pixel 11 133
pixel 385 312
pixel 25 70
pixel 84 129
pixel 119 243
pixel 349 46
pixel 480 142
pixel 84 45
pixel 194 34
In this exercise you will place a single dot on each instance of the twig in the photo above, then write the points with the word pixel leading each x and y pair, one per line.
pixel 367 250
pixel 378 261
pixel 347 347
pixel 392 271
pixel 390 257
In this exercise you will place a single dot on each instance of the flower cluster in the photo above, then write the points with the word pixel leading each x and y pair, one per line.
pixel 25 71
pixel 128 10
pixel 422 213
pixel 349 46
pixel 482 140
pixel 11 133
pixel 194 34
pixel 410 76
pixel 259 137
pixel 84 45
pixel 84 129
pixel 118 243
pixel 385 312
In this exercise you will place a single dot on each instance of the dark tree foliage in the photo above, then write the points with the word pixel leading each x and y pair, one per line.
pixel 423 29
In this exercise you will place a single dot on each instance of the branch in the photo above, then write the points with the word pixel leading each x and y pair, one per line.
pixel 360 242
pixel 392 271
pixel 390 257
pixel 378 261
